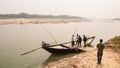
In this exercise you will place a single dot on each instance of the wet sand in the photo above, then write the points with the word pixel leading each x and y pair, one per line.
pixel 37 21
pixel 111 59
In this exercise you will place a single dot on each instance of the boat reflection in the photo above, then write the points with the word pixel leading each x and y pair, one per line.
pixel 56 57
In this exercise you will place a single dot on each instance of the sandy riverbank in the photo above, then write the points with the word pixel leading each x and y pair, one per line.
pixel 111 59
pixel 37 21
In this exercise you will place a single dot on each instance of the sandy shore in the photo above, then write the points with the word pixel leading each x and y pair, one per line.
pixel 37 21
pixel 111 59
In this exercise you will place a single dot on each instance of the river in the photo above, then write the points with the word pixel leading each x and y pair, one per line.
pixel 16 39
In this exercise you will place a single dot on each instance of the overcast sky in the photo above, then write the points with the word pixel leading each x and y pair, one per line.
pixel 84 8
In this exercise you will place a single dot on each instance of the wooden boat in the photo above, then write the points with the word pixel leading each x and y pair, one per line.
pixel 64 50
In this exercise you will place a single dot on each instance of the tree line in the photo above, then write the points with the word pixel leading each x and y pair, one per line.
pixel 26 15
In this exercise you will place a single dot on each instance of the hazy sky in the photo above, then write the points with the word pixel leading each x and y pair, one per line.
pixel 84 8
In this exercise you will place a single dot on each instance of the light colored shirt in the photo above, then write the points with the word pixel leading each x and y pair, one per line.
pixel 76 38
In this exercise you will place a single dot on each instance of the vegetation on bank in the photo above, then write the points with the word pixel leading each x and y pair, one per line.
pixel 115 41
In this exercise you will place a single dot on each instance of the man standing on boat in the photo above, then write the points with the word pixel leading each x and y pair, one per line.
pixel 79 41
pixel 84 40
pixel 100 47
pixel 76 40
pixel 72 41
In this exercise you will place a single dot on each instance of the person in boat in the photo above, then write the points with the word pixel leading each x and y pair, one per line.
pixel 84 40
pixel 100 47
pixel 79 41
pixel 72 41
pixel 77 38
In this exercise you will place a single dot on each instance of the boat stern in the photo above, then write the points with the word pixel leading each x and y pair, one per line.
pixel 44 44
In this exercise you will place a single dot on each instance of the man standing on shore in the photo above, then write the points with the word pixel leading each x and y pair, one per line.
pixel 100 47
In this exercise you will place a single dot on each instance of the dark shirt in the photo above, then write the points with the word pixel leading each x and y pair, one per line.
pixel 84 38
pixel 100 47
pixel 80 39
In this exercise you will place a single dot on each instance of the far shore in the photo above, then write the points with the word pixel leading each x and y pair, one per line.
pixel 38 21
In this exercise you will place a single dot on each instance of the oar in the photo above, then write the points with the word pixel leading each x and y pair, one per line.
pixel 50 34
pixel 30 51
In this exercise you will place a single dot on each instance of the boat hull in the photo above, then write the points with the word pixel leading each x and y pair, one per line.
pixel 62 51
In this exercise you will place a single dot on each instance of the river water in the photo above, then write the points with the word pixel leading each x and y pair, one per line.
pixel 16 39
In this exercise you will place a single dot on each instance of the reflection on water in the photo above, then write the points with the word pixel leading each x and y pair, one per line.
pixel 55 57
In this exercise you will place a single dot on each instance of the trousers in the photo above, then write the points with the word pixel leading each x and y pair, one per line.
pixel 99 57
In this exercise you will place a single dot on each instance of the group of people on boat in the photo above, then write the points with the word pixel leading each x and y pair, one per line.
pixel 76 41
